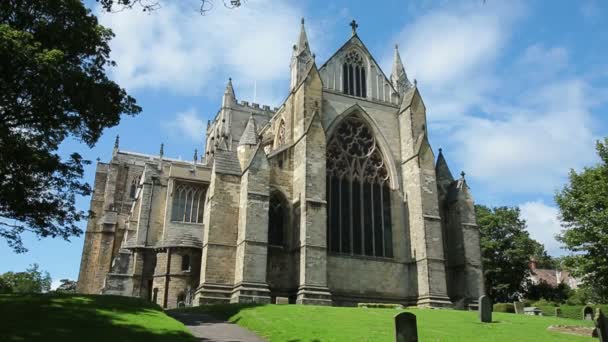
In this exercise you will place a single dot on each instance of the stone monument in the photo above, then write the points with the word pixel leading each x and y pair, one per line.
pixel 485 309
pixel 405 327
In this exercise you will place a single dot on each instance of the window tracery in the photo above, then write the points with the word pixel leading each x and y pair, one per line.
pixel 188 202
pixel 353 75
pixel 358 193
pixel 133 187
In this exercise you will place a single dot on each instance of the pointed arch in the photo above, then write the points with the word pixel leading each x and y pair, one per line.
pixel 358 191
pixel 278 207
pixel 393 180
pixel 280 134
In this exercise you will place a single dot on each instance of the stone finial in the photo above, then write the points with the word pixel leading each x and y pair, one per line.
pixel 353 25
pixel 162 150
pixel 116 142
pixel 195 155
pixel 398 75
pixel 462 174
pixel 415 82
pixel 229 96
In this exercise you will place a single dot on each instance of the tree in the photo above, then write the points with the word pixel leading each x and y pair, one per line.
pixel 33 280
pixel 583 206
pixel 150 5
pixel 67 286
pixel 53 85
pixel 506 248
pixel 542 258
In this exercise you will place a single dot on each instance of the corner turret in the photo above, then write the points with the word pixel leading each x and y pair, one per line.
pixel 398 76
pixel 301 58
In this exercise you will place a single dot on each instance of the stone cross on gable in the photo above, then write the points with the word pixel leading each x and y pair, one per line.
pixel 354 25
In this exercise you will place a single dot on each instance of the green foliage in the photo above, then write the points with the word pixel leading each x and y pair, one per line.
pixel 504 307
pixel 542 258
pixel 33 280
pixel 380 305
pixel 545 291
pixel 67 286
pixel 581 296
pixel 66 318
pixel 583 205
pixel 321 323
pixel 53 86
pixel 506 248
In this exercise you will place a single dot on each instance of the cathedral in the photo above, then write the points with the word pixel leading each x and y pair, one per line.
pixel 333 198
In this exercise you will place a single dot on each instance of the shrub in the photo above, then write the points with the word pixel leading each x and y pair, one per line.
pixel 504 307
pixel 380 305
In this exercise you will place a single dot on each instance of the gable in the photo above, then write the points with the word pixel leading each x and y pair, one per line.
pixel 379 87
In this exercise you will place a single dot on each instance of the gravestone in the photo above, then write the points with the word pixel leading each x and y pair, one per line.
pixel 558 312
pixel 282 300
pixel 519 307
pixel 601 324
pixel 485 309
pixel 588 313
pixel 405 327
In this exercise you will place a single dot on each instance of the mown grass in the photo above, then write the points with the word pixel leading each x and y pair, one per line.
pixel 316 323
pixel 86 318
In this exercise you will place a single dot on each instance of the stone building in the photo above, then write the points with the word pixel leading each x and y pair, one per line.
pixel 335 197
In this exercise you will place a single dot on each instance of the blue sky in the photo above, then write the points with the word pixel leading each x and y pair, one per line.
pixel 516 91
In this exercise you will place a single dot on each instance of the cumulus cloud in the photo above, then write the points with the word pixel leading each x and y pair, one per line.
pixel 543 224
pixel 188 124
pixel 174 48
pixel 515 122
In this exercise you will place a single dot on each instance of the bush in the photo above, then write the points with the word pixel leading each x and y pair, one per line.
pixel 504 307
pixel 380 305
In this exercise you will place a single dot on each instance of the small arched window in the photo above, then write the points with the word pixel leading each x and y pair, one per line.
pixel 133 187
pixel 185 262
pixel 353 75
pixel 188 202
pixel 276 219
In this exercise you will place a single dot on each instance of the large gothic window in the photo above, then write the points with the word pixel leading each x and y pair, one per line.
pixel 188 202
pixel 276 219
pixel 353 75
pixel 358 195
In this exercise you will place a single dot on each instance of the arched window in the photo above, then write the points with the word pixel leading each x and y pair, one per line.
pixel 133 188
pixel 276 219
pixel 185 262
pixel 358 195
pixel 188 201
pixel 353 75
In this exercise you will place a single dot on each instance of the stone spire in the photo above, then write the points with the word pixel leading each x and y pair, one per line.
pixel 301 58
pixel 229 97
pixel 250 136
pixel 302 46
pixel 161 153
pixel 195 158
pixel 116 144
pixel 443 174
pixel 398 76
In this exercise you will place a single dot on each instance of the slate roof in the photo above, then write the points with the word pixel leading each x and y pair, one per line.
pixel 226 162
pixel 250 135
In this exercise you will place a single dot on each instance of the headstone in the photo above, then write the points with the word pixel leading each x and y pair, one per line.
pixel 601 324
pixel 405 327
pixel 282 300
pixel 485 309
pixel 588 313
pixel 533 311
pixel 558 312
pixel 519 307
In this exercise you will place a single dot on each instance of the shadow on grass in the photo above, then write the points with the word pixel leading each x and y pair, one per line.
pixel 62 317
pixel 215 313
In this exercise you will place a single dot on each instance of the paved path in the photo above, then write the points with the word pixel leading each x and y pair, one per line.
pixel 207 328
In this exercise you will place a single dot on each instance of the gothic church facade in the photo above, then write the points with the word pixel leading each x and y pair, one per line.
pixel 333 198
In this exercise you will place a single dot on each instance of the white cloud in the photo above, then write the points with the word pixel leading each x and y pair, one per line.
pixel 188 124
pixel 543 224
pixel 55 284
pixel 177 49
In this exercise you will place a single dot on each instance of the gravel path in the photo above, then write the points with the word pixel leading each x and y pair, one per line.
pixel 207 328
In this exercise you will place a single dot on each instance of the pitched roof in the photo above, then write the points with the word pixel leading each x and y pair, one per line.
pixel 227 162
pixel 250 135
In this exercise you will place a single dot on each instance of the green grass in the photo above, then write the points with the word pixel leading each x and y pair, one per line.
pixel 317 323
pixel 86 318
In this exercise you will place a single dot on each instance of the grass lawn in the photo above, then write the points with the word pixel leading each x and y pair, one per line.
pixel 86 318
pixel 317 323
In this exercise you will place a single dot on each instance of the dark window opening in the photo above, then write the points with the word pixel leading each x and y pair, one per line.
pixel 276 219
pixel 358 195
pixel 186 263
pixel 188 202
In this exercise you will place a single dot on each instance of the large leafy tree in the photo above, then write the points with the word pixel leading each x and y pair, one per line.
pixel 506 248
pixel 150 5
pixel 53 86
pixel 33 280
pixel 583 205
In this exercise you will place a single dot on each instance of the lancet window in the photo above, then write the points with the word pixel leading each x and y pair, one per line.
pixel 276 219
pixel 358 193
pixel 188 202
pixel 353 75
pixel 133 187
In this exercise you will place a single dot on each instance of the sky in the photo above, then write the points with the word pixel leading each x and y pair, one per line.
pixel 516 91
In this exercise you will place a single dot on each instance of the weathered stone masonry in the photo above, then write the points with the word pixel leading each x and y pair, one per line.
pixel 333 198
